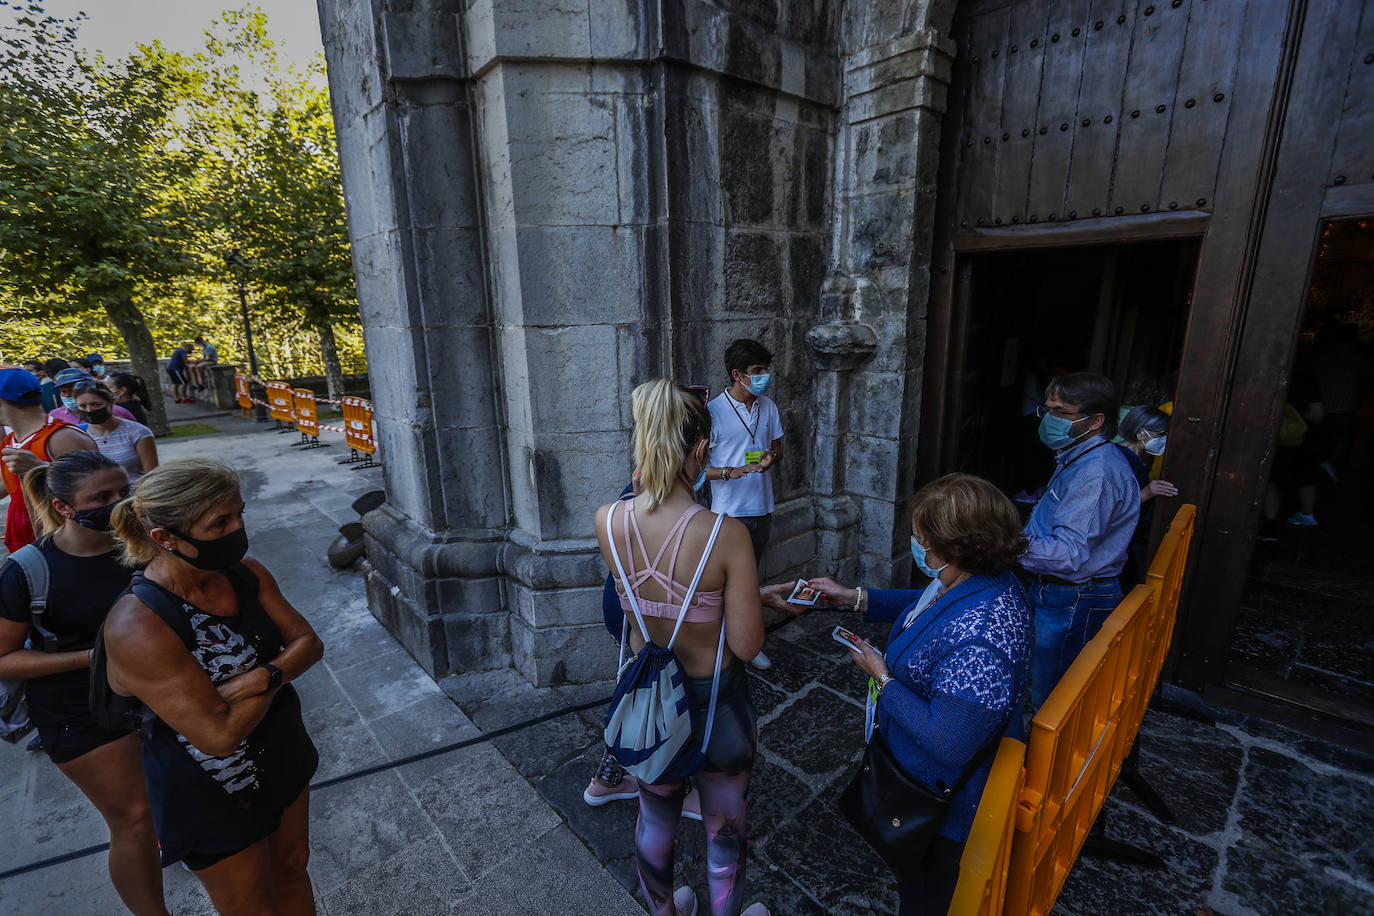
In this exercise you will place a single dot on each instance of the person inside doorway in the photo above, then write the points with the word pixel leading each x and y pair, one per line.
pixel 34 437
pixel 1144 434
pixel 746 444
pixel 1080 529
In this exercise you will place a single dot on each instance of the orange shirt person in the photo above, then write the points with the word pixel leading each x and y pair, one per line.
pixel 34 438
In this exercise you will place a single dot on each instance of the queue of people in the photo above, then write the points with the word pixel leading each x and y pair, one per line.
pixel 215 773
pixel 1008 608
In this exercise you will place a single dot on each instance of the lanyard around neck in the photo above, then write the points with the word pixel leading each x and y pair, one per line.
pixel 753 433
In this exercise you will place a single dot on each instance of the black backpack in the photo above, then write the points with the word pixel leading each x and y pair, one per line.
pixel 14 707
pixel 118 712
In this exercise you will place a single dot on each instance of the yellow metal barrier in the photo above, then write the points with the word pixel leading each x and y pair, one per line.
pixel 362 445
pixel 983 868
pixel 307 417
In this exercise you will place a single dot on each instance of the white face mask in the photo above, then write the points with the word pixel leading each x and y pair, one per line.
pixel 1156 445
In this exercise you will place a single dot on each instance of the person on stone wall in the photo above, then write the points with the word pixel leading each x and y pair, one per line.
pixel 1081 527
pixel 660 537
pixel 209 356
pixel 746 444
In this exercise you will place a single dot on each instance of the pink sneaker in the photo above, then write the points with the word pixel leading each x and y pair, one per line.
pixel 598 793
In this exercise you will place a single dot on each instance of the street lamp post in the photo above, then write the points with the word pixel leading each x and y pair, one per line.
pixel 256 391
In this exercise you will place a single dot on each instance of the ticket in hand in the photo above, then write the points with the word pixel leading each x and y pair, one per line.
pixel 805 594
pixel 754 456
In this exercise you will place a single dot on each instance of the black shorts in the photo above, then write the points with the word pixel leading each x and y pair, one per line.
pixel 177 375
pixel 75 738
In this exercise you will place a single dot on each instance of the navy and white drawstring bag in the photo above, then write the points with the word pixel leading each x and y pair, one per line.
pixel 651 720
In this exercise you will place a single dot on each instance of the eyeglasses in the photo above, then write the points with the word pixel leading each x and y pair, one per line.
pixel 1041 410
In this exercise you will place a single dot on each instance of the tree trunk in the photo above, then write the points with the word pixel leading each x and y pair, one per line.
pixel 333 372
pixel 143 354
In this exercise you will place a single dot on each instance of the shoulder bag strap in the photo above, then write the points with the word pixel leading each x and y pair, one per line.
pixel 35 566
pixel 165 605
pixel 720 644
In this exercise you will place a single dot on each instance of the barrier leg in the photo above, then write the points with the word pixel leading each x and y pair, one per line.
pixel 1098 845
pixel 1130 772
pixel 352 457
pixel 367 463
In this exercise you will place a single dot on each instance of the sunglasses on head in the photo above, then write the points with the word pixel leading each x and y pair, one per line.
pixel 89 385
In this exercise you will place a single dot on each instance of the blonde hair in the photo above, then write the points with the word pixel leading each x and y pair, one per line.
pixel 172 495
pixel 669 420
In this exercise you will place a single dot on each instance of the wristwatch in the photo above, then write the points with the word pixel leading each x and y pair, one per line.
pixel 273 677
pixel 725 473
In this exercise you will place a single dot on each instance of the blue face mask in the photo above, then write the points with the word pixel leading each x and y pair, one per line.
pixel 918 553
pixel 758 384
pixel 701 480
pixel 69 403
pixel 1056 432
pixel 1156 445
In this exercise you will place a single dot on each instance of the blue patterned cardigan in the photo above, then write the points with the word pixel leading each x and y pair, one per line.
pixel 962 672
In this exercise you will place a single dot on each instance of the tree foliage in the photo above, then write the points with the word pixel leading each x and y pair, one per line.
pixel 124 183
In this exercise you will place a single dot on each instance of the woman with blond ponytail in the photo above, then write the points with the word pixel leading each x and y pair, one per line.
pixel 207 641
pixel 73 497
pixel 659 538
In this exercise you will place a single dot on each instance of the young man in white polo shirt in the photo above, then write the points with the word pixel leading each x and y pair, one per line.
pixel 746 444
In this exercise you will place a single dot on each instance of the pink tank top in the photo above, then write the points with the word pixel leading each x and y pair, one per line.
pixel 706 607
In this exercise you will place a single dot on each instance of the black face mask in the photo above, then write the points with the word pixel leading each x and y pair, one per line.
pixel 96 416
pixel 96 519
pixel 216 553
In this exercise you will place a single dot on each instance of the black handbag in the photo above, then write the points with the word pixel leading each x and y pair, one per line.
pixel 897 814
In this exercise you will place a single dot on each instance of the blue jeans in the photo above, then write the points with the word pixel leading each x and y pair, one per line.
pixel 1066 618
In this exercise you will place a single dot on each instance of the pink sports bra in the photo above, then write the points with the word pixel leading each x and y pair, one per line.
pixel 706 607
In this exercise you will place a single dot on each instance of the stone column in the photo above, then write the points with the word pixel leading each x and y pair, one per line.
pixel 875 298
pixel 400 96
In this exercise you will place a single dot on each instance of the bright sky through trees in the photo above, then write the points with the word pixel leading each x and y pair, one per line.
pixel 116 26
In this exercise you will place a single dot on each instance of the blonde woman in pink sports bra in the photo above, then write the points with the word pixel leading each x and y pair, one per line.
pixel 660 535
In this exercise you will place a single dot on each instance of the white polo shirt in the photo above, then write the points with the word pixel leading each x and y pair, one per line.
pixel 736 429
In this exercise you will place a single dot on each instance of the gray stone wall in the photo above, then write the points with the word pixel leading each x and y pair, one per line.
pixel 553 200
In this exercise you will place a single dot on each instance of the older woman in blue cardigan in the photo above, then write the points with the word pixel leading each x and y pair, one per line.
pixel 956 671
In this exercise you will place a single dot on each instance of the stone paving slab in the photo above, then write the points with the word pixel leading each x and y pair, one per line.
pixel 459 832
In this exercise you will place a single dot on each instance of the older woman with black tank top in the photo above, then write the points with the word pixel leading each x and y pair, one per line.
pixel 659 537
pixel 73 498
pixel 207 641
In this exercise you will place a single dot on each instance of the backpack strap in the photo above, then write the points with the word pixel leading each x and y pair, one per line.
pixel 165 605
pixel 629 591
pixel 35 566
pixel 720 644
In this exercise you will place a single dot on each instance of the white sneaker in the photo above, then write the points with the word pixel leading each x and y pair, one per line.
pixel 597 794
pixel 755 909
pixel 761 662
pixel 691 805
pixel 685 901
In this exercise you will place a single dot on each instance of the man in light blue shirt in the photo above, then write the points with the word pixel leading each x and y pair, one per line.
pixel 1079 530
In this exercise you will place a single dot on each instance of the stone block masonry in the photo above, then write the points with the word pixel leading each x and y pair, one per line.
pixel 551 201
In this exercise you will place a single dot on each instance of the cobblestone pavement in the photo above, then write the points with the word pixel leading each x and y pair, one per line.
pixel 1265 820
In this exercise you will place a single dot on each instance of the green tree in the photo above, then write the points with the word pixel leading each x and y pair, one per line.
pixel 278 190
pixel 94 179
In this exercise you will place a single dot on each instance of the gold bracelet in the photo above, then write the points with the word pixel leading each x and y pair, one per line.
pixel 861 601
pixel 882 682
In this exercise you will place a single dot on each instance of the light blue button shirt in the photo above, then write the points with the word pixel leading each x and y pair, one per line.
pixel 1080 528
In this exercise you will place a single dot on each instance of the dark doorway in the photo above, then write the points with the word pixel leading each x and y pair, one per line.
pixel 1305 629
pixel 1026 315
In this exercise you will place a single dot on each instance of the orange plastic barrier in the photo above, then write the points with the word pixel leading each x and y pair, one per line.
pixel 983 868
pixel 1081 735
pixel 307 417
pixel 357 417
pixel 279 406
pixel 242 395
pixel 1078 740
